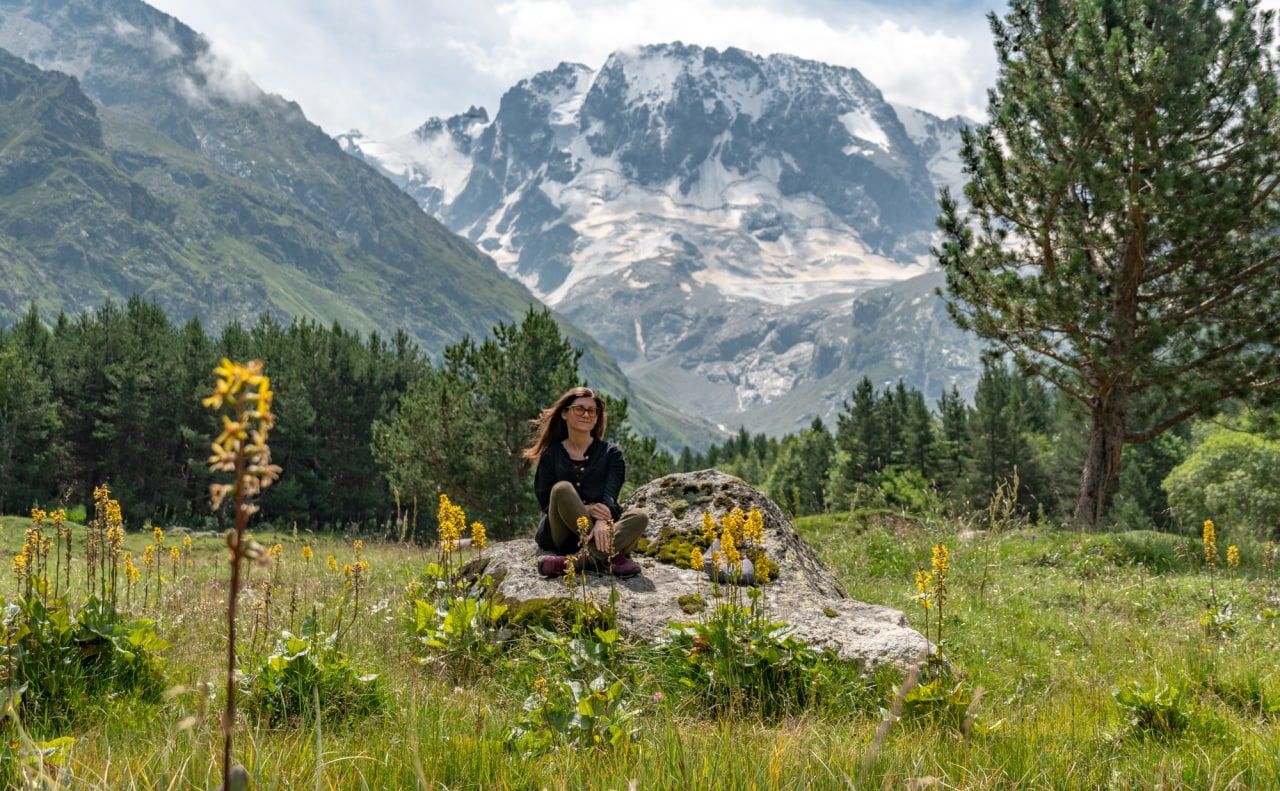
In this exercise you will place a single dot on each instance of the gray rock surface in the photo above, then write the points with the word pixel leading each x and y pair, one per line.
pixel 804 593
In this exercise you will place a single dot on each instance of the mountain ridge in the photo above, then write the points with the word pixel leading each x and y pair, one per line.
pixel 217 200
pixel 679 199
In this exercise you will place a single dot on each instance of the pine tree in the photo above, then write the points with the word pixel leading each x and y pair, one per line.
pixel 954 440
pixel 1124 193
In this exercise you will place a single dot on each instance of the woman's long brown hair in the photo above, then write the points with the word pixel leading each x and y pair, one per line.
pixel 549 428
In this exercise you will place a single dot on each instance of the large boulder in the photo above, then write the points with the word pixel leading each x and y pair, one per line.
pixel 802 592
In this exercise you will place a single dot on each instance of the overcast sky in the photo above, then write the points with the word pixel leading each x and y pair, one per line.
pixel 385 66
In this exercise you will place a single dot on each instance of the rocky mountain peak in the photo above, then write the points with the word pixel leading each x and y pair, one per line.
pixel 708 215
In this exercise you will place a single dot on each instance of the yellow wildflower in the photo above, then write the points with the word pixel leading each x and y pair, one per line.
pixel 38 516
pixel 584 524
pixel 276 551
pixel 941 560
pixel 307 554
pixel 753 531
pixel 695 558
pixel 1233 556
pixel 348 570
pixel 570 572
pixel 762 569
pixel 157 534
pixel 923 580
pixel 331 562
pixel 452 520
pixel 131 572
pixel 708 528
pixel 358 546
pixel 1210 539
pixel 149 555
pixel 174 554
pixel 540 686
pixel 729 545
pixel 19 565
pixel 478 535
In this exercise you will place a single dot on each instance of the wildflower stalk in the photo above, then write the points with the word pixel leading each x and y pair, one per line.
pixel 242 450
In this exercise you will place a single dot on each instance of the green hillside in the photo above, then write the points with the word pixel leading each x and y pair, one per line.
pixel 147 174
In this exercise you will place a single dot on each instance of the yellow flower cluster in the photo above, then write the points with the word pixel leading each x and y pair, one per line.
pixel 584 525
pixel 331 563
pixel 307 554
pixel 276 551
pixel 708 528
pixel 478 535
pixel 242 447
pixel 729 545
pixel 1233 556
pixel 1210 539
pixel 453 521
pixel 695 558
pixel 149 555
pixel 923 580
pixel 186 549
pixel 941 563
pixel 19 566
pixel 157 535
pixel 753 530
pixel 941 560
pixel 174 556
pixel 131 572
pixel 38 516
pixel 101 494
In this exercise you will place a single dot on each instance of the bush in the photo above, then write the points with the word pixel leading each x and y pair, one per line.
pixel 60 664
pixel 1160 710
pixel 303 671
pixel 739 660
pixel 1232 477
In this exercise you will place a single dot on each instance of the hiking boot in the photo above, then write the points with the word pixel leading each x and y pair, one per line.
pixel 623 566
pixel 551 565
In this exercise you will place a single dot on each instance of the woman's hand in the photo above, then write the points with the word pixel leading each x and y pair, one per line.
pixel 602 536
pixel 599 512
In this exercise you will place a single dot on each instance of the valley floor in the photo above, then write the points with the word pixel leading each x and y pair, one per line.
pixel 1047 624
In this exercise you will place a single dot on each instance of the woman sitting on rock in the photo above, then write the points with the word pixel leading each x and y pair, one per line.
pixel 580 475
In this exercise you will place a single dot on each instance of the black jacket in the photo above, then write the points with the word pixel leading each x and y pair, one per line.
pixel 600 481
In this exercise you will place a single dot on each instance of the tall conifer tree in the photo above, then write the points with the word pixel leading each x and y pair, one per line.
pixel 1124 196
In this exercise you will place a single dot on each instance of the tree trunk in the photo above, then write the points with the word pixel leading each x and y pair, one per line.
pixel 1102 462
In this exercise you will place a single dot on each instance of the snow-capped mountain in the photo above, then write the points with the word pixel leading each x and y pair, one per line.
pixel 708 216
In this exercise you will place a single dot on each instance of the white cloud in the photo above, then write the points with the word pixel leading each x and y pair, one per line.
pixel 942 72
pixel 386 65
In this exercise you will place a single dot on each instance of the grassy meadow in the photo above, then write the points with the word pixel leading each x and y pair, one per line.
pixel 1042 628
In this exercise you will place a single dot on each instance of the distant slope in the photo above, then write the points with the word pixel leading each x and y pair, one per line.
pixel 160 171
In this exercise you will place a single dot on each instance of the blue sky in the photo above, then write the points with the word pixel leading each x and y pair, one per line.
pixel 385 66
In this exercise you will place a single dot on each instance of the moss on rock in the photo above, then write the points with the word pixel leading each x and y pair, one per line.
pixel 691 603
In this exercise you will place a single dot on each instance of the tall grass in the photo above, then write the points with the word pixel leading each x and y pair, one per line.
pixel 1063 620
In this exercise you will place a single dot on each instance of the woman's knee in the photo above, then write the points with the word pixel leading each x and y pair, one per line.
pixel 563 489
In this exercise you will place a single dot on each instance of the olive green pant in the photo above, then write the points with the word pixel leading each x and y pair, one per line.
pixel 564 509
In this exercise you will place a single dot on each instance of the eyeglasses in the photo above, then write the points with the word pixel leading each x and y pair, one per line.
pixel 583 411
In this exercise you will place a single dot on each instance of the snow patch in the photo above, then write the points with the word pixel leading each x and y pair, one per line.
pixel 861 126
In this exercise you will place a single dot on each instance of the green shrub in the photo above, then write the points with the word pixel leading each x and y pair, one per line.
pixel 1231 476
pixel 58 664
pixel 306 670
pixel 1156 551
pixel 738 660
pixel 1160 711
pixel 587 704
